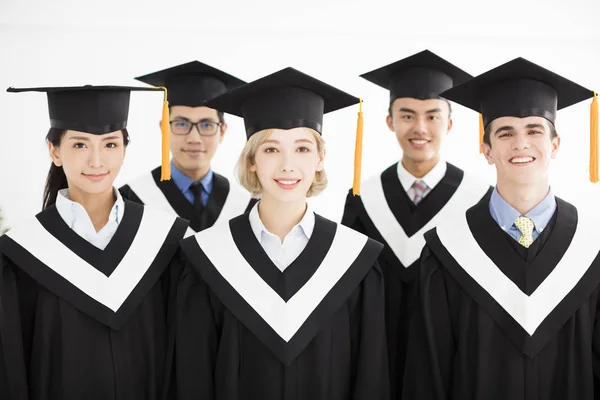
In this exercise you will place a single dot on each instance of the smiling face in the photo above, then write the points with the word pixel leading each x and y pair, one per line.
pixel 521 149
pixel 286 163
pixel 192 153
pixel 420 127
pixel 90 162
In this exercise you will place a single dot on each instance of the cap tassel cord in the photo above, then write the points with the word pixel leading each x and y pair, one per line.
pixel 481 132
pixel 594 178
pixel 165 174
pixel 358 152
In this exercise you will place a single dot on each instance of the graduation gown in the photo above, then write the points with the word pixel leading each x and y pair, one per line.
pixel 385 213
pixel 497 321
pixel 246 330
pixel 77 322
pixel 225 201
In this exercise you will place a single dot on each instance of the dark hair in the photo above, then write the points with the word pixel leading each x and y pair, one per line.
pixel 488 131
pixel 433 98
pixel 220 115
pixel 56 179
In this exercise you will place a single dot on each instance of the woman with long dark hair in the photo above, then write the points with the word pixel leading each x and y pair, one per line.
pixel 84 285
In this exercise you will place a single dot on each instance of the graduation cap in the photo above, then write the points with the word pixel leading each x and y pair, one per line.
pixel 521 89
pixel 421 76
pixel 288 99
pixel 97 110
pixel 193 83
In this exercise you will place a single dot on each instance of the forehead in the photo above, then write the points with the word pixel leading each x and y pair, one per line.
pixel 90 136
pixel 291 135
pixel 518 123
pixel 419 105
pixel 194 113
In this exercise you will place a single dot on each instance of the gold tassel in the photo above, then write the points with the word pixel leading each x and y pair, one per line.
pixel 165 170
pixel 481 132
pixel 358 152
pixel 594 178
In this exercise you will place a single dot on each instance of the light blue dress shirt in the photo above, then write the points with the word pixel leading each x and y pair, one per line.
pixel 505 215
pixel 183 182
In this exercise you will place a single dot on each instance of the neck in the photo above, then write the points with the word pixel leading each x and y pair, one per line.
pixel 194 174
pixel 523 198
pixel 419 169
pixel 280 217
pixel 97 205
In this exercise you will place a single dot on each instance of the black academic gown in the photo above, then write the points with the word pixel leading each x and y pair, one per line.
pixel 507 322
pixel 171 194
pixel 77 322
pixel 246 330
pixel 411 219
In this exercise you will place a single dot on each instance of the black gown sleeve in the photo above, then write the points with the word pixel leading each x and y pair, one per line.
pixel 596 352
pixel 18 298
pixel 196 338
pixel 431 343
pixel 370 376
pixel 129 194
pixel 350 216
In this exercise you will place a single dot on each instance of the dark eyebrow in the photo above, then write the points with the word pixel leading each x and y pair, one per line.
pixel 532 126
pixel 114 137
pixel 506 128
pixel 83 138
pixel 433 110
pixel 407 110
pixel 189 120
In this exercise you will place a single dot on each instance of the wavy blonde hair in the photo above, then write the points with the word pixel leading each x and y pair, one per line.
pixel 249 180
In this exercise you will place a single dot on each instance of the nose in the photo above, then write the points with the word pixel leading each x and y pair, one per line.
pixel 95 158
pixel 287 162
pixel 420 126
pixel 520 142
pixel 194 136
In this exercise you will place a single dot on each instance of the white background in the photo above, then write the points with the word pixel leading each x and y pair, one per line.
pixel 62 42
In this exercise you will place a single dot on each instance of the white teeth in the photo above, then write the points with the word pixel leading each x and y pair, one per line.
pixel 418 141
pixel 287 182
pixel 521 160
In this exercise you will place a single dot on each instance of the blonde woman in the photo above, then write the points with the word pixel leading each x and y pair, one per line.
pixel 281 303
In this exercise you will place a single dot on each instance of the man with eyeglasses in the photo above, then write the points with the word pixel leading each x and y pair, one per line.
pixel 195 192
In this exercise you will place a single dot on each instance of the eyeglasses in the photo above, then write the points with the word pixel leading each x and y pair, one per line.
pixel 183 127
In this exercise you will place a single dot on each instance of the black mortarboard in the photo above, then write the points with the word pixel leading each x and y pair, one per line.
pixel 421 76
pixel 91 109
pixel 97 110
pixel 521 89
pixel 193 83
pixel 286 99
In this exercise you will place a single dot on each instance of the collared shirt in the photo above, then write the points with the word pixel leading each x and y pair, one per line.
pixel 505 215
pixel 432 178
pixel 78 219
pixel 283 254
pixel 183 183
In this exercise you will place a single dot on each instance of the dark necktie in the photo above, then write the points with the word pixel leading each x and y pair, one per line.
pixel 197 191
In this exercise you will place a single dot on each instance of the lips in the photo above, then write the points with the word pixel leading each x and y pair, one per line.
pixel 287 183
pixel 522 160
pixel 194 152
pixel 95 177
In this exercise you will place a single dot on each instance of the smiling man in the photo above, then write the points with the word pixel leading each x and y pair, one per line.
pixel 397 206
pixel 509 291
pixel 195 192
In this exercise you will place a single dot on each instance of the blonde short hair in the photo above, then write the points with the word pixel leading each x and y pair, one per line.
pixel 249 180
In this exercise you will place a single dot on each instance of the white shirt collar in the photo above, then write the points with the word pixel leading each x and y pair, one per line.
pixel 431 179
pixel 304 227
pixel 71 211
